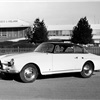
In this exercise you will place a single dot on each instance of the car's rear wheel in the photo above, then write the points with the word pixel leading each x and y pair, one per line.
pixel 87 70
pixel 29 73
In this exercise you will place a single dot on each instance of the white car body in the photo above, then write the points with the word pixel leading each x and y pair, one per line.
pixel 50 63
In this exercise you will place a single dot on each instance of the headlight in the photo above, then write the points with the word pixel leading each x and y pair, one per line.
pixel 11 62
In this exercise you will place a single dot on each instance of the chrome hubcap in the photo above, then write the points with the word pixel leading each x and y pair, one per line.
pixel 29 73
pixel 87 70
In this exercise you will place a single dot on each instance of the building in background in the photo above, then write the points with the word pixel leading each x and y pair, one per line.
pixel 13 29
pixel 65 31
pixel 60 31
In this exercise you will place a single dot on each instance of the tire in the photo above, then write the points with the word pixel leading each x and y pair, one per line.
pixel 87 70
pixel 29 73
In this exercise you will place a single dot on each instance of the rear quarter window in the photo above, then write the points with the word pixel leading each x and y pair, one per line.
pixel 78 49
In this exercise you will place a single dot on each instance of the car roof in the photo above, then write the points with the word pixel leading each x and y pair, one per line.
pixel 60 43
pixel 63 44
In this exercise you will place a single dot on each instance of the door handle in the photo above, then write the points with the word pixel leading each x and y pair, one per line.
pixel 82 57
pixel 76 57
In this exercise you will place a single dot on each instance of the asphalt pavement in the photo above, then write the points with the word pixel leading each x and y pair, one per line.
pixel 52 87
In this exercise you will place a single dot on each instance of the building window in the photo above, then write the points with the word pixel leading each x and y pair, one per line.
pixel 60 33
pixel 20 31
pixel 9 32
pixel 15 32
pixel 3 32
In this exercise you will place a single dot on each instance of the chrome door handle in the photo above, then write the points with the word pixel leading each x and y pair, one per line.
pixel 76 57
pixel 82 57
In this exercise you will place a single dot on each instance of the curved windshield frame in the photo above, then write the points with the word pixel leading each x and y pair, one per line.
pixel 45 48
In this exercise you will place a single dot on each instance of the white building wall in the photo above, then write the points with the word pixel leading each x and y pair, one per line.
pixel 65 31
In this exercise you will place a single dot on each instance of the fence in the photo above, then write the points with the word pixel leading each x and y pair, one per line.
pixel 94 50
pixel 15 50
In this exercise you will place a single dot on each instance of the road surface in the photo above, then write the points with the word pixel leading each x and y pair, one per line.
pixel 52 87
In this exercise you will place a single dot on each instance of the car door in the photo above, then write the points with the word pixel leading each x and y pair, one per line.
pixel 66 61
pixel 81 54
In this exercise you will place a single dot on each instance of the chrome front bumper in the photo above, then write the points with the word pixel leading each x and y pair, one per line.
pixel 7 70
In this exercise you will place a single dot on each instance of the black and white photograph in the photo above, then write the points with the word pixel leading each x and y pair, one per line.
pixel 49 49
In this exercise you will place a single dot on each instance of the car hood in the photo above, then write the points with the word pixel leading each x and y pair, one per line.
pixel 23 55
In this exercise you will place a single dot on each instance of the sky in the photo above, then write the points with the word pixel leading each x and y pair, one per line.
pixel 53 12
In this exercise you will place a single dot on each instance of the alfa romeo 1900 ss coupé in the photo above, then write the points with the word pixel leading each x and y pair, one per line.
pixel 50 58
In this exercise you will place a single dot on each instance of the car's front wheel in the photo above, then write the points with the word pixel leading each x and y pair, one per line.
pixel 87 70
pixel 29 73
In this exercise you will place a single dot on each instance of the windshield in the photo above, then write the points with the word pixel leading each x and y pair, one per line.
pixel 45 47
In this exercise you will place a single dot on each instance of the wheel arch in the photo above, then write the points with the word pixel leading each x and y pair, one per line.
pixel 39 72
pixel 89 61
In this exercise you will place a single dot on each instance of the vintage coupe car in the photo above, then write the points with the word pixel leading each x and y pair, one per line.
pixel 50 58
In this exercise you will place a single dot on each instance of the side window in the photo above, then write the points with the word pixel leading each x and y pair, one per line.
pixel 78 49
pixel 69 50
pixel 49 48
pixel 58 49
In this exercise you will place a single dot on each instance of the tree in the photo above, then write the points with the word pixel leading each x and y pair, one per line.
pixel 39 33
pixel 82 33
pixel 28 34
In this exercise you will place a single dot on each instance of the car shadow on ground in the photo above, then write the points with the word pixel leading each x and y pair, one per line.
pixel 10 77
pixel 64 75
pixel 6 76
